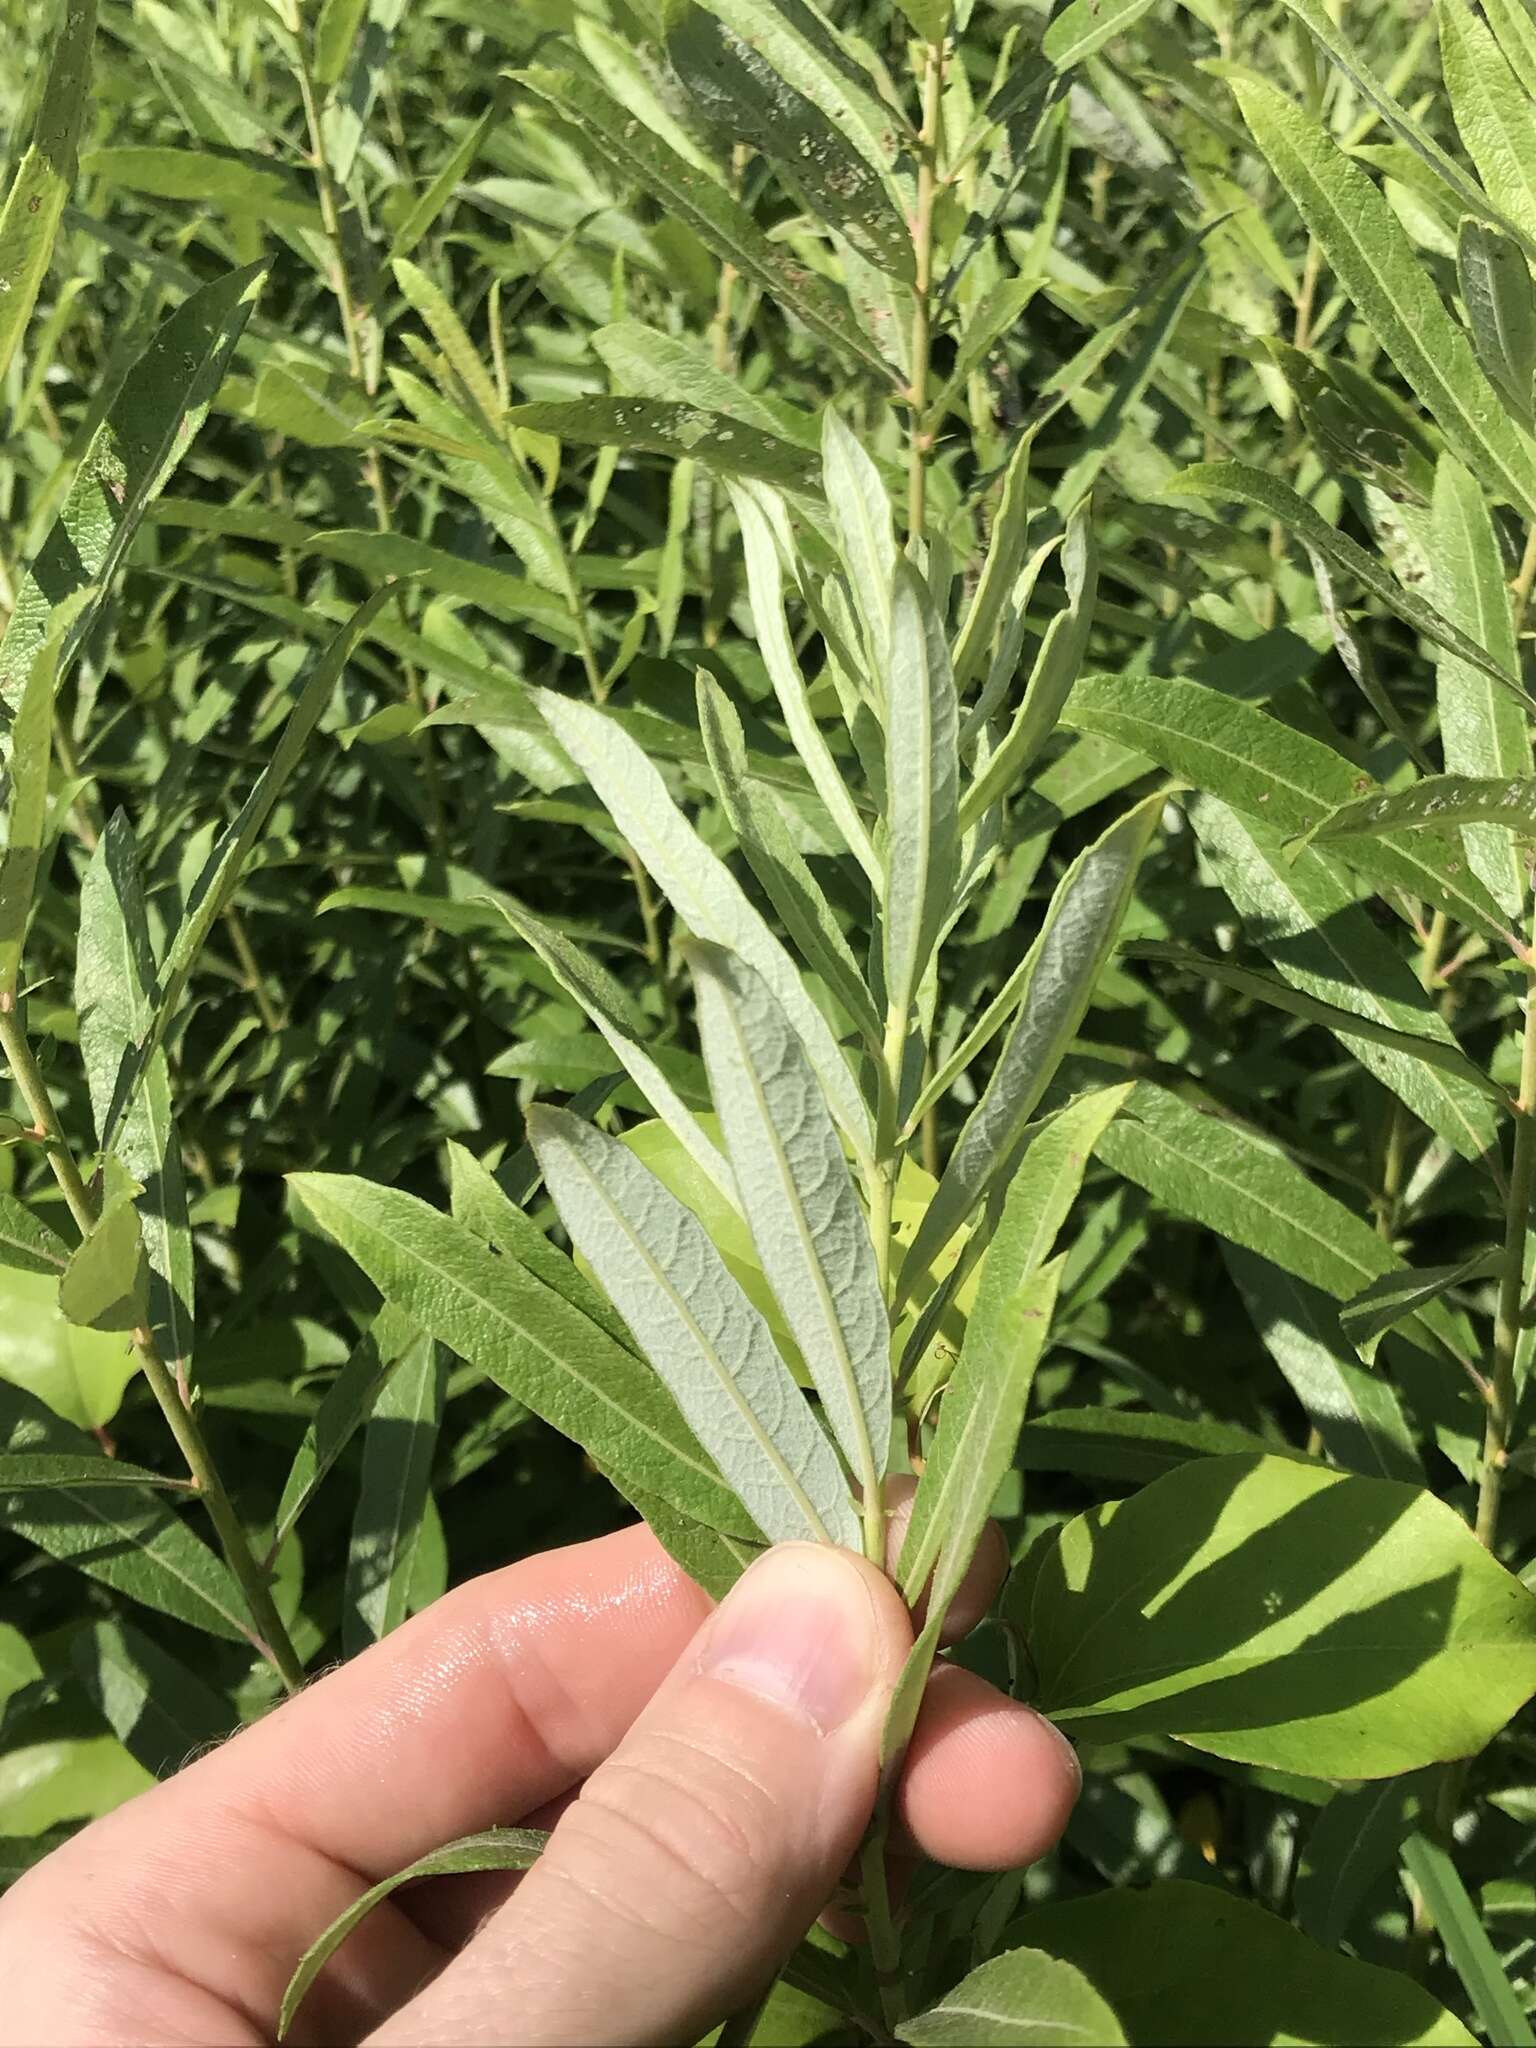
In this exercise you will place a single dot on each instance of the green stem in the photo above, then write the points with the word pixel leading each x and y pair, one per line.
pixel 272 1637
pixel 880 1925
pixel 1506 1329
pixel 922 289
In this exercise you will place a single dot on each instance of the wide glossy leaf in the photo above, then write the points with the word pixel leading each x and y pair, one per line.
pixel 1286 1615
pixel 162 1713
pixel 1024 1999
pixel 1221 480
pixel 706 896
pixel 705 206
pixel 1438 802
pixel 1376 264
pixel 1356 1414
pixel 1236 1183
pixel 120 1535
pixel 765 584
pixel 1305 915
pixel 1075 943
pixel 1186 1962
pixel 1269 770
pixel 80 1374
pixel 702 1336
pixel 1125 1443
pixel 1500 301
pixel 658 426
pixel 800 1203
pixel 922 775
pixel 494 1312
pixel 622 1025
pixel 735 86
pixel 982 1410
pixel 492 1849
pixel 115 982
pixel 148 428
pixel 768 843
pixel 34 205
pixel 399 1444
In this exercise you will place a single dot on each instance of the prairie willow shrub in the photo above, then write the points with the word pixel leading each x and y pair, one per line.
pixel 787 599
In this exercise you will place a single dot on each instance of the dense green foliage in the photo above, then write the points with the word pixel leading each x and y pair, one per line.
pixel 917 622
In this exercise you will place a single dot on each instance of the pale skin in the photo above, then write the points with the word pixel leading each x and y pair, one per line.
pixel 708 1773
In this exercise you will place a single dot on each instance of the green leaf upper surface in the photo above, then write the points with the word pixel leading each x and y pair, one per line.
pixel 1274 1600
pixel 1189 1962
pixel 494 1312
pixel 35 202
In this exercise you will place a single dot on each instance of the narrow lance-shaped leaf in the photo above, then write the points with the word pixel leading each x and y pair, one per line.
pixel 1357 1415
pixel 494 1312
pixel 214 887
pixel 1435 803
pixel 1493 113
pixel 1343 53
pixel 1220 480
pixel 1085 26
pixel 1483 732
pixel 765 583
pixel 1500 299
pixel 1468 1945
pixel 394 1497
pixel 701 1334
pixel 1374 261
pixel 661 426
pixel 493 1849
pixel 1236 1183
pixel 861 517
pixel 1079 934
pixel 348 1402
pixel 148 428
pixel 979 1420
pixel 1305 915
pixel 608 1004
pixel 706 207
pixel 26 828
pixel 1512 23
pixel 114 1000
pixel 1394 1297
pixel 702 890
pixel 735 86
pixel 35 203
pixel 922 773
pixel 1443 1053
pixel 1050 680
pixel 1269 770
pixel 767 842
pixel 1000 571
pixel 27 1244
pixel 162 1712
pixel 805 1217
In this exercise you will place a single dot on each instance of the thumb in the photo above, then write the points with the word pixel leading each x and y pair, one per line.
pixel 701 1851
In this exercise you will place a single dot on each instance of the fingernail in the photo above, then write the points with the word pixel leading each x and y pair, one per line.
pixel 798 1629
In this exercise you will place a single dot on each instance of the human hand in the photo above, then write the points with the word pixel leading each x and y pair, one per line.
pixel 712 1774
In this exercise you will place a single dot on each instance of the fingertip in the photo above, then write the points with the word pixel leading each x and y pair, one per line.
pixel 988 1784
